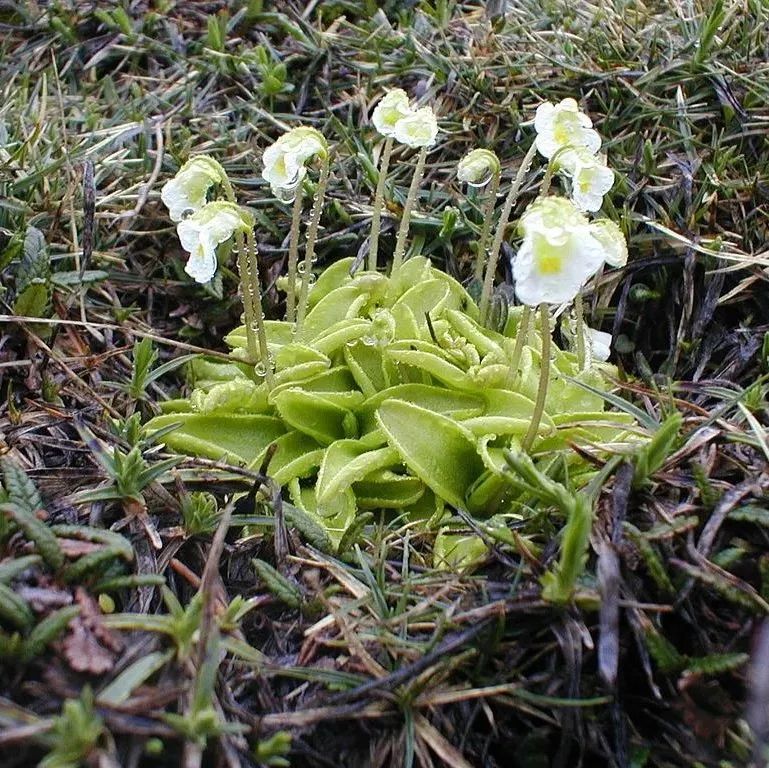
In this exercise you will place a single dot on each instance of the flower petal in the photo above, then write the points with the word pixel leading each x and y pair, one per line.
pixel 393 106
pixel 201 265
pixel 600 344
pixel 558 254
pixel 419 129
pixel 613 242
pixel 188 190
pixel 201 233
pixel 478 167
pixel 563 125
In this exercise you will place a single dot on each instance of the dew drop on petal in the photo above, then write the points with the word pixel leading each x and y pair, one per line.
pixel 286 194
pixel 482 182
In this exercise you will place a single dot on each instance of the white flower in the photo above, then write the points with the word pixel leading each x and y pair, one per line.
pixel 284 161
pixel 188 190
pixel 562 125
pixel 393 106
pixel 613 242
pixel 478 167
pixel 558 253
pixel 599 344
pixel 591 177
pixel 418 129
pixel 202 232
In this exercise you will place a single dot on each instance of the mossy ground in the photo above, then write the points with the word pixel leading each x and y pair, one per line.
pixel 378 659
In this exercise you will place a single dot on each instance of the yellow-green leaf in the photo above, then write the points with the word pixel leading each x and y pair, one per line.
pixel 232 437
pixel 346 462
pixel 434 447
pixel 316 416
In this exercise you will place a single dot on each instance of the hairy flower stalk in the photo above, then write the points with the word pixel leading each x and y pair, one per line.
pixel 521 336
pixel 499 234
pixel 417 129
pixel 312 236
pixel 246 295
pixel 547 179
pixel 579 315
pixel 403 230
pixel 293 257
pixel 544 378
pixel 487 213
pixel 376 215
pixel 257 316
pixel 246 288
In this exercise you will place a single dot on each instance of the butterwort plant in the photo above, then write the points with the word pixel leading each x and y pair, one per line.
pixel 391 390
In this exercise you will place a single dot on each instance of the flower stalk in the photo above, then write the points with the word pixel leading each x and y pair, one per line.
pixel 376 216
pixel 400 243
pixel 499 234
pixel 293 256
pixel 544 378
pixel 579 315
pixel 312 236
pixel 547 179
pixel 248 289
pixel 487 213
pixel 257 313
pixel 521 336
pixel 246 295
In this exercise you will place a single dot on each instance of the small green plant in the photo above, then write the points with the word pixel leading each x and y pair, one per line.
pixel 273 74
pixel 273 751
pixel 128 473
pixel 200 514
pixel 75 733
pixel 181 625
pixel 31 294
pixel 144 371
